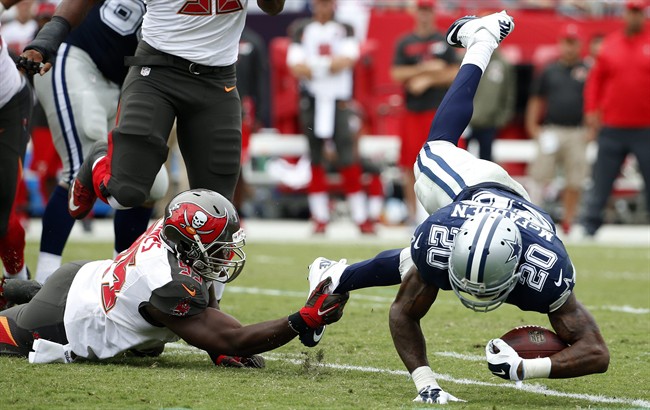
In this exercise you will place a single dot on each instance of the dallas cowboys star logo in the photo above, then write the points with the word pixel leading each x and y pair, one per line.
pixel 515 249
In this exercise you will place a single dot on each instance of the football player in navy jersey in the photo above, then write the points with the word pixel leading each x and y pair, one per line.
pixel 157 291
pixel 80 96
pixel 484 240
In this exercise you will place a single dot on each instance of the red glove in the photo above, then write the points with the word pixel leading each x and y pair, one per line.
pixel 255 361
pixel 321 309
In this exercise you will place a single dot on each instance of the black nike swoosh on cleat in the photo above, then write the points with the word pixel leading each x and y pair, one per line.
pixel 504 28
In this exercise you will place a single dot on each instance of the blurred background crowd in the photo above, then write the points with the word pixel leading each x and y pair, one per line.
pixel 532 111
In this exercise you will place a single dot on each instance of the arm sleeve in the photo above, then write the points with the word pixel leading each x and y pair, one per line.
pixel 399 58
pixel 593 86
pixel 180 298
pixel 295 54
pixel 538 87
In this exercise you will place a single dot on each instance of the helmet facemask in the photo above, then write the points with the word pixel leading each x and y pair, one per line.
pixel 220 261
pixel 484 257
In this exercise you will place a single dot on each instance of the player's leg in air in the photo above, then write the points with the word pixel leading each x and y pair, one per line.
pixel 442 170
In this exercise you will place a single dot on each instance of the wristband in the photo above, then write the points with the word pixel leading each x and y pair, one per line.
pixel 536 368
pixel 50 37
pixel 297 323
pixel 422 377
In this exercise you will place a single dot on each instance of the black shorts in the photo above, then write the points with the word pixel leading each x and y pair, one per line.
pixel 204 101
pixel 15 117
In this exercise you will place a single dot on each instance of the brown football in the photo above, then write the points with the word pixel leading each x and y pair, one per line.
pixel 534 341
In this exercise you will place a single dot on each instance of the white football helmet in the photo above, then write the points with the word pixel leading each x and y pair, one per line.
pixel 484 257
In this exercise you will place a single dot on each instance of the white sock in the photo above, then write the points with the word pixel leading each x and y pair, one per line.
pixel 358 207
pixel 319 206
pixel 116 205
pixel 375 207
pixel 479 54
pixel 22 274
pixel 219 287
pixel 47 264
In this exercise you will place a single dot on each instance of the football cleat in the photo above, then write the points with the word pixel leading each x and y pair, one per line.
pixel 320 228
pixel 18 291
pixel 320 269
pixel 81 196
pixel 367 228
pixel 469 29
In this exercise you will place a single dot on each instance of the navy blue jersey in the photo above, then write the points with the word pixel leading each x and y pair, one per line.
pixel 547 275
pixel 108 33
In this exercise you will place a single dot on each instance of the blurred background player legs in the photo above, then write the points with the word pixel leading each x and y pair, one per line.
pixel 554 120
pixel 322 55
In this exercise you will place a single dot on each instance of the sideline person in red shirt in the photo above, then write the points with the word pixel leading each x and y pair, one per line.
pixel 617 109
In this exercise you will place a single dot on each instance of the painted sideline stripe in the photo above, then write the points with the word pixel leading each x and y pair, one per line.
pixel 526 386
pixel 357 296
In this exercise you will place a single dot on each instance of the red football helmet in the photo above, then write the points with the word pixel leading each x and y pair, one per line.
pixel 202 227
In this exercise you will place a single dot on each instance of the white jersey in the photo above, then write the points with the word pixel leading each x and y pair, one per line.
pixel 10 79
pixel 315 44
pixel 205 32
pixel 104 316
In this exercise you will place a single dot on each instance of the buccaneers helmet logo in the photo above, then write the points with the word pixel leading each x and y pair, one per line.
pixel 190 219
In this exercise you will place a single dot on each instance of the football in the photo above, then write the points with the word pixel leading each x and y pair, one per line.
pixel 534 341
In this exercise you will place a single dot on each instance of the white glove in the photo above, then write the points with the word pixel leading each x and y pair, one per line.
pixel 46 351
pixel 502 359
pixel 434 395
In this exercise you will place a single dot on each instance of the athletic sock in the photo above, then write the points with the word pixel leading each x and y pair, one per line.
pixel 457 106
pixel 382 270
pixel 129 224
pixel 57 225
pixel 479 54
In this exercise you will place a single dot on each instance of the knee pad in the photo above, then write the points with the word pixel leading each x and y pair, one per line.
pixel 136 162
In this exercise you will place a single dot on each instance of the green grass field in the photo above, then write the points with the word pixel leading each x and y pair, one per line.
pixel 356 366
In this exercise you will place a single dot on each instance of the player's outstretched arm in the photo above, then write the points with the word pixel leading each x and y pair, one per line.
pixel 587 353
pixel 217 332
pixel 271 7
pixel 412 302
pixel 69 13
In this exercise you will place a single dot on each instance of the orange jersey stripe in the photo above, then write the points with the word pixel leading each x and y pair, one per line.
pixel 5 332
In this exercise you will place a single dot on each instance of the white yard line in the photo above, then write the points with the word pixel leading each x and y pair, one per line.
pixel 388 300
pixel 534 388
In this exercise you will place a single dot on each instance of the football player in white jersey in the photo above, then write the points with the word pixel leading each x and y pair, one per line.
pixel 157 291
pixel 183 69
pixel 15 116
pixel 322 57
